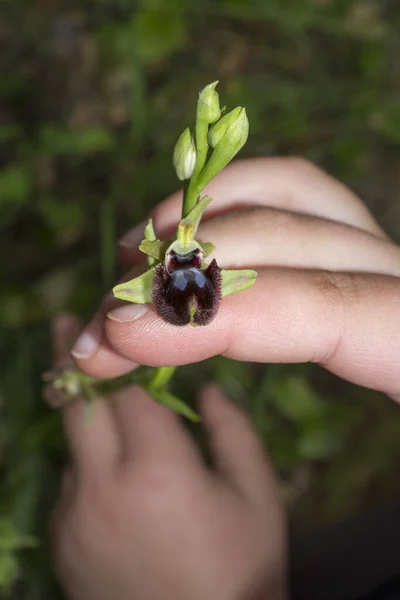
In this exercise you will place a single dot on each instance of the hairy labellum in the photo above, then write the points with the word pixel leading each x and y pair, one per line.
pixel 185 293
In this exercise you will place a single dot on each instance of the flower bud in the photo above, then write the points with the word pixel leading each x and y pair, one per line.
pixel 230 142
pixel 218 130
pixel 184 158
pixel 208 109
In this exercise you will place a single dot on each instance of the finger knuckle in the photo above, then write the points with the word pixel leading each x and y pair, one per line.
pixel 302 166
pixel 90 509
pixel 337 290
pixel 157 478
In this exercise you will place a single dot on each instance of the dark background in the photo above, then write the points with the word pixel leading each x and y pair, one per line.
pixel 93 98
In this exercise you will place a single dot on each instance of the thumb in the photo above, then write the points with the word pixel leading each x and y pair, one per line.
pixel 236 449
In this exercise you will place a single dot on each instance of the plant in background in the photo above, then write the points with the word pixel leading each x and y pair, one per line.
pixel 11 542
pixel 183 288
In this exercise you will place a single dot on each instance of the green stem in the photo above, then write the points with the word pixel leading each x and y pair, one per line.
pixel 157 389
pixel 193 191
pixel 201 146
pixel 185 194
pixel 190 200
pixel 161 377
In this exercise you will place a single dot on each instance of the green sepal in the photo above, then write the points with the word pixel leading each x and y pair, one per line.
pixel 138 290
pixel 196 214
pixel 170 401
pixel 155 248
pixel 237 280
pixel 149 235
pixel 207 248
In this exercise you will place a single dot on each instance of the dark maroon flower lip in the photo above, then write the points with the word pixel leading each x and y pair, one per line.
pixel 185 293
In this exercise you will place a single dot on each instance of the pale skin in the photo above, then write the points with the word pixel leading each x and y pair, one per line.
pixel 140 515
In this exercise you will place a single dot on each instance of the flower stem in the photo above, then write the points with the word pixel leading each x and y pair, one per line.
pixel 192 193
pixel 161 377
pixel 201 146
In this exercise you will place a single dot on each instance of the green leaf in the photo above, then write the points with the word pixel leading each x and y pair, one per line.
pixel 10 132
pixel 196 214
pixel 170 401
pixel 158 34
pixel 57 140
pixel 236 281
pixel 296 399
pixel 317 441
pixel 9 571
pixel 387 121
pixel 136 290
pixel 61 216
pixel 154 248
pixel 15 184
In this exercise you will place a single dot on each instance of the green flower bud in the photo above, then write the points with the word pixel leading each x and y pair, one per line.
pixel 184 158
pixel 229 144
pixel 208 109
pixel 218 130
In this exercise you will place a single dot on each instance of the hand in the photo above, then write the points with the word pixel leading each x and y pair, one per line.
pixel 141 517
pixel 328 287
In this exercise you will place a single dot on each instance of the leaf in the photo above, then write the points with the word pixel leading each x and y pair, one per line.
pixel 158 34
pixel 195 215
pixel 9 570
pixel 237 280
pixel 15 184
pixel 136 290
pixel 10 132
pixel 170 401
pixel 154 248
pixel 61 216
pixel 317 441
pixel 297 400
pixel 387 121
pixel 56 140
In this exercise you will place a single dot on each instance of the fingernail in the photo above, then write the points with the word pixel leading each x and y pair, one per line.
pixel 128 312
pixel 133 237
pixel 89 340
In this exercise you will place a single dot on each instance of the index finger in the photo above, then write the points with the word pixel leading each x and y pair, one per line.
pixel 346 322
pixel 290 183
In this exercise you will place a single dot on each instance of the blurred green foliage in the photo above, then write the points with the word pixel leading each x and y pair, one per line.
pixel 93 98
